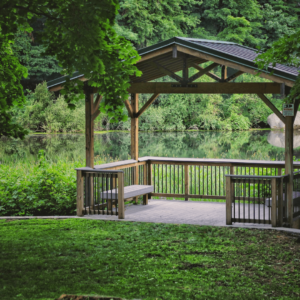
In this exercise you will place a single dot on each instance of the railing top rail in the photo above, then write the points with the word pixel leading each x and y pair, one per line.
pixel 217 161
pixel 116 164
pixel 254 177
pixel 91 170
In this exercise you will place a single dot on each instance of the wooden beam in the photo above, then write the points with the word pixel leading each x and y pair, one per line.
pixel 213 76
pixel 234 65
pixel 272 107
pixel 129 108
pixel 156 53
pixel 135 127
pixel 233 76
pixel 89 126
pixel 61 86
pixel 205 88
pixel 96 104
pixel 147 104
pixel 185 68
pixel 289 137
pixel 174 54
pixel 224 73
pixel 168 72
pixel 202 72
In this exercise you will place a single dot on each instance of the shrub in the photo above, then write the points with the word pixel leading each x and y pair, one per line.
pixel 42 189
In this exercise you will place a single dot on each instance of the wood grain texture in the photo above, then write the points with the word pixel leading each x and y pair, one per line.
pixel 186 182
pixel 234 65
pixel 274 202
pixel 228 201
pixel 80 194
pixel 89 129
pixel 272 107
pixel 289 137
pixel 206 88
pixel 147 104
pixel 121 207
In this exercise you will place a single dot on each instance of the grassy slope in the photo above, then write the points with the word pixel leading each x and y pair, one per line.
pixel 42 259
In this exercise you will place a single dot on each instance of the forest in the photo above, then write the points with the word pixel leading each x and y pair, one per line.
pixel 253 23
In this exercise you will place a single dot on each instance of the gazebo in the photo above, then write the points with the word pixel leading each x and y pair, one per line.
pixel 166 59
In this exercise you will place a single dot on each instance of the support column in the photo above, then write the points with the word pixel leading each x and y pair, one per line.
pixel 89 126
pixel 89 141
pixel 135 136
pixel 135 127
pixel 289 136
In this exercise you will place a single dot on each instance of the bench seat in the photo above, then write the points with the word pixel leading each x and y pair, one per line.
pixel 129 192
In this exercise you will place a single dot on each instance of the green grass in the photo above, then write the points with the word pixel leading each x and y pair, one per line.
pixel 42 259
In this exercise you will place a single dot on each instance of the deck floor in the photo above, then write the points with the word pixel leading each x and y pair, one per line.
pixel 178 212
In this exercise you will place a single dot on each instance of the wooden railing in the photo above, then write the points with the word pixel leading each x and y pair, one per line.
pixel 256 199
pixel 96 192
pixel 191 178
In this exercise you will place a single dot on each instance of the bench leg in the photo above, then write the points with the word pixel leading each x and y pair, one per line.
pixel 145 199
pixel 135 199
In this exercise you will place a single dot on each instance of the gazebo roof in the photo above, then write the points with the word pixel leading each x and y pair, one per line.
pixel 197 51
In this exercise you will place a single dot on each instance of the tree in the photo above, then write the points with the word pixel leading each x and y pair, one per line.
pixel 31 55
pixel 284 51
pixel 80 34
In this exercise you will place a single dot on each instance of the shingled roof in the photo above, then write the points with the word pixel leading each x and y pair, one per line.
pixel 228 51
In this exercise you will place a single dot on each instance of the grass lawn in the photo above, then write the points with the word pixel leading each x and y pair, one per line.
pixel 42 259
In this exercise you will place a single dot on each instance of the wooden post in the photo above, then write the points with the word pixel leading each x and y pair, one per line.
pixel 135 136
pixel 89 126
pixel 186 182
pixel 121 208
pixel 224 73
pixel 149 176
pixel 80 195
pixel 274 202
pixel 289 167
pixel 229 200
pixel 280 203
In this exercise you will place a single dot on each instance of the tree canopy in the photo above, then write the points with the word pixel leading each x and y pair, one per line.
pixel 80 34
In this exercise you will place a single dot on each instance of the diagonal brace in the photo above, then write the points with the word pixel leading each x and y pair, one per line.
pixel 213 76
pixel 147 104
pixel 168 72
pixel 272 107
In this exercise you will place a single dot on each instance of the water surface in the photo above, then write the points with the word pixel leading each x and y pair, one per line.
pixel 116 145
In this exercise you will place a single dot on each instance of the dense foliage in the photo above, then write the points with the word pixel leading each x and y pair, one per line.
pixel 80 34
pixel 249 22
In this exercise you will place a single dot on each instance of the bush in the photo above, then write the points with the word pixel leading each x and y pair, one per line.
pixel 42 189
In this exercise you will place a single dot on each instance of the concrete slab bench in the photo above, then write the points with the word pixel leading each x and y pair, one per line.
pixel 129 192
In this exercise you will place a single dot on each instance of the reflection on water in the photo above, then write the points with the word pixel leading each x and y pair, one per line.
pixel 277 139
pixel 201 144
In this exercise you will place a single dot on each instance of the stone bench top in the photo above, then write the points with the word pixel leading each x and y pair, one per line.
pixel 129 192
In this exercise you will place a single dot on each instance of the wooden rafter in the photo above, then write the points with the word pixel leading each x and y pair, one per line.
pixel 213 76
pixel 272 107
pixel 224 73
pixel 234 65
pixel 147 104
pixel 206 88
pixel 233 76
pixel 168 72
pixel 203 72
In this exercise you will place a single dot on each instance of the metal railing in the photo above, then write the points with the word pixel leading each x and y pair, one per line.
pixel 255 199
